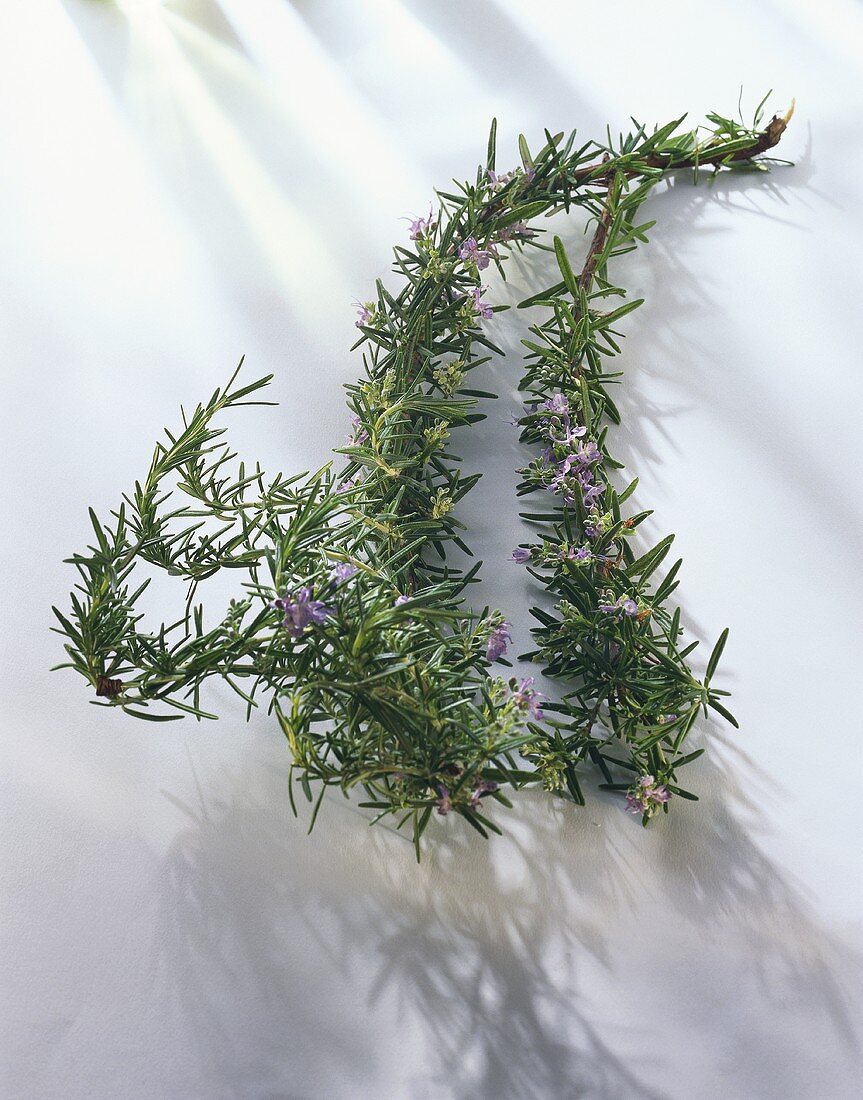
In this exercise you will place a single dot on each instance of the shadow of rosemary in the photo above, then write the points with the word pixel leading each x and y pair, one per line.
pixel 480 964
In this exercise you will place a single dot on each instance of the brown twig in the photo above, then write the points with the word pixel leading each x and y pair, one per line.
pixel 767 139
pixel 597 243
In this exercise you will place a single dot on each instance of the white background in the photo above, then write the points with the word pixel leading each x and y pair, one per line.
pixel 186 184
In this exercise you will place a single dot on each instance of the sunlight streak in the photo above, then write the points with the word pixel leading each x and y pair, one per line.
pixel 279 231
pixel 323 104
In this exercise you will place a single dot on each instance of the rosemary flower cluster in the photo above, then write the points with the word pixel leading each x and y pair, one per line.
pixel 353 627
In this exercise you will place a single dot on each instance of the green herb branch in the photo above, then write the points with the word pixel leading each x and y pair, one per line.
pixel 351 624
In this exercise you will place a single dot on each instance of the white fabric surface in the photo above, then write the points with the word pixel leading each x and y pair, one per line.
pixel 184 184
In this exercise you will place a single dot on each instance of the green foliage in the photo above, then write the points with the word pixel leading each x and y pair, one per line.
pixel 389 687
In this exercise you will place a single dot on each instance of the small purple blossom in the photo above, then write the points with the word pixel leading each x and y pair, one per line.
pixel 482 309
pixel 520 555
pixel 498 182
pixel 517 232
pixel 591 494
pixel 498 640
pixel 359 435
pixel 301 611
pixel 565 466
pixel 588 453
pixel 484 786
pixel 583 475
pixel 399 601
pixel 346 485
pixel 528 700
pixel 564 433
pixel 664 719
pixel 570 433
pixel 343 571
pixel 580 553
pixel 365 312
pixel 421 227
pixel 647 796
pixel 558 483
pixel 558 404
pixel 571 472
pixel 624 605
pixel 470 252
pixel 444 802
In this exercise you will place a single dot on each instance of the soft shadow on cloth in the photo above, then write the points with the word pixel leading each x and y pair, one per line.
pixel 276 946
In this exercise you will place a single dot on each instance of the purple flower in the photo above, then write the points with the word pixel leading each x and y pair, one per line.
pixel 301 611
pixel 483 309
pixel 497 642
pixel 484 786
pixel 647 796
pixel 624 605
pixel 563 433
pixel 499 181
pixel 421 227
pixel 528 700
pixel 365 312
pixel 400 600
pixel 520 555
pixel 664 719
pixel 444 803
pixel 519 231
pixel 360 435
pixel 470 251
pixel 343 571
pixel 346 485
pixel 546 456
pixel 566 479
pixel 559 427
pixel 588 453
pixel 558 403
pixel 558 482
pixel 591 494
pixel 580 553
pixel 570 434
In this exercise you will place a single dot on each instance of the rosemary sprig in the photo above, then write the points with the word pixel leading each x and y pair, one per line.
pixel 351 622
